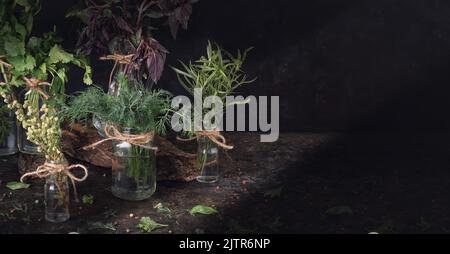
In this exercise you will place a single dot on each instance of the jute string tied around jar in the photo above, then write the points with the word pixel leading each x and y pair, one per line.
pixel 118 59
pixel 214 135
pixel 48 169
pixel 113 134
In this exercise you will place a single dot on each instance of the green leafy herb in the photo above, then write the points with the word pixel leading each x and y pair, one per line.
pixel 218 73
pixel 100 225
pixel 201 209
pixel 148 225
pixel 138 109
pixel 88 199
pixel 162 209
pixel 17 185
pixel 34 61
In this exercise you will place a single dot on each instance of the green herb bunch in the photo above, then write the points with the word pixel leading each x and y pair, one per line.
pixel 218 73
pixel 40 58
pixel 138 109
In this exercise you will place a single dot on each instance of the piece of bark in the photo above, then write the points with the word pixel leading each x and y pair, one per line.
pixel 173 164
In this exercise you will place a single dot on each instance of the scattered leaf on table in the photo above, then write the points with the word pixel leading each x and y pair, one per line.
pixel 273 193
pixel 201 209
pixel 148 225
pixel 17 185
pixel 88 199
pixel 162 209
pixel 339 210
pixel 100 225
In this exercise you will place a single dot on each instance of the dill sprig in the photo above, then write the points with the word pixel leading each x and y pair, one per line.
pixel 139 109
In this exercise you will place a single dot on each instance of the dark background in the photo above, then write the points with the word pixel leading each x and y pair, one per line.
pixel 336 65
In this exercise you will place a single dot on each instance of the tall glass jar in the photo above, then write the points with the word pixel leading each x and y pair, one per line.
pixel 8 145
pixel 57 195
pixel 133 170
pixel 207 160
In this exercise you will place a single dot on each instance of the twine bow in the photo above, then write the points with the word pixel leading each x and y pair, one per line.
pixel 112 133
pixel 34 84
pixel 118 59
pixel 48 169
pixel 214 135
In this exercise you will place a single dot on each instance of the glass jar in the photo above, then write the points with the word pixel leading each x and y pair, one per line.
pixel 57 195
pixel 8 146
pixel 207 160
pixel 133 170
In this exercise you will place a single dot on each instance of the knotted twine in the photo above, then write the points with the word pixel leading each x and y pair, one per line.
pixel 214 135
pixel 34 84
pixel 113 134
pixel 48 169
pixel 118 59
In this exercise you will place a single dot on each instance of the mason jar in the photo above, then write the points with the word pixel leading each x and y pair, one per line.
pixel 133 170
pixel 57 195
pixel 207 160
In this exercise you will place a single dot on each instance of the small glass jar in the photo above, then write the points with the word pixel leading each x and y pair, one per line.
pixel 8 146
pixel 207 160
pixel 133 170
pixel 57 195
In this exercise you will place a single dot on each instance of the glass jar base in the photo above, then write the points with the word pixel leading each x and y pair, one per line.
pixel 8 151
pixel 33 150
pixel 207 179
pixel 57 217
pixel 126 194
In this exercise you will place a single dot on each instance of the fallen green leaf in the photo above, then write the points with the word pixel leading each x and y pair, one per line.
pixel 17 185
pixel 162 209
pixel 100 225
pixel 88 199
pixel 201 209
pixel 148 225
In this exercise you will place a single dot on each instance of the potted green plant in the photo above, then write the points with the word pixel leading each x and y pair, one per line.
pixel 218 73
pixel 37 68
pixel 133 118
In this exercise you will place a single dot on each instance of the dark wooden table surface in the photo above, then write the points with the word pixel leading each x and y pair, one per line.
pixel 303 183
